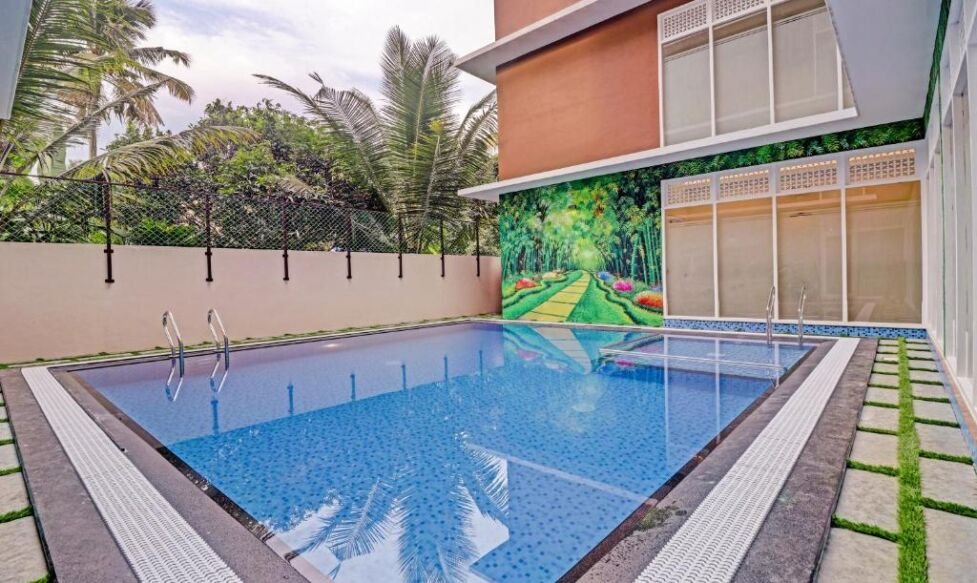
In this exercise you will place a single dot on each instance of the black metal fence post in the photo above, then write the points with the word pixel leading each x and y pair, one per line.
pixel 441 230
pixel 400 247
pixel 349 245
pixel 208 233
pixel 478 250
pixel 106 187
pixel 285 235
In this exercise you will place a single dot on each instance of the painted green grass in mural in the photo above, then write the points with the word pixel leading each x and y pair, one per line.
pixel 525 303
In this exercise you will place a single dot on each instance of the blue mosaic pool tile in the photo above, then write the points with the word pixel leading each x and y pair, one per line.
pixel 790 328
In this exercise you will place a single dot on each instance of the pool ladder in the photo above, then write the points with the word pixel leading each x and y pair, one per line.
pixel 222 342
pixel 771 304
pixel 800 315
pixel 178 349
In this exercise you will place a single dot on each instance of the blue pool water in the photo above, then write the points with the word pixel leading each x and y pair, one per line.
pixel 468 452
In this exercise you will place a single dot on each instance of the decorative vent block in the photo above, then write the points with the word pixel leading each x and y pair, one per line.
pixel 689 192
pixel 722 9
pixel 744 185
pixel 882 166
pixel 809 176
pixel 684 20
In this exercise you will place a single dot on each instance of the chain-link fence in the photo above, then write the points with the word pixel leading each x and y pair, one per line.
pixel 54 210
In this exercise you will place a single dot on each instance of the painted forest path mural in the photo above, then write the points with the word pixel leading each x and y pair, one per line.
pixel 559 307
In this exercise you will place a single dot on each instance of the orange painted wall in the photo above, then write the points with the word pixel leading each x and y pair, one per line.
pixel 588 97
pixel 511 15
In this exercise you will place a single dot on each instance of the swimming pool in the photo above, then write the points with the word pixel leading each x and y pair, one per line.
pixel 464 452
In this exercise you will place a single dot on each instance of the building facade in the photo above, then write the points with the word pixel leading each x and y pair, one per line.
pixel 710 163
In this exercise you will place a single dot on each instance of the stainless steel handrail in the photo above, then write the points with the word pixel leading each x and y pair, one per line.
pixel 800 315
pixel 177 351
pixel 771 299
pixel 211 316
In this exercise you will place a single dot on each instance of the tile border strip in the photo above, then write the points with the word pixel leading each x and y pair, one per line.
pixel 713 542
pixel 157 542
pixel 839 330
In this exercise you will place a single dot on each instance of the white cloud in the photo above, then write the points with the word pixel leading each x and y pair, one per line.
pixel 229 40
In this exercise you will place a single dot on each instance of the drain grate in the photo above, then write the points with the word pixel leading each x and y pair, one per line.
pixel 155 539
pixel 711 545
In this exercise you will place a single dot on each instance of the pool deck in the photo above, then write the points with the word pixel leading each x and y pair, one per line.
pixel 790 542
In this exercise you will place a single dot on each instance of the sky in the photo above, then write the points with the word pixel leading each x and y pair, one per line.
pixel 230 40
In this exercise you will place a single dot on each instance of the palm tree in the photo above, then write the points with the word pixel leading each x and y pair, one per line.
pixel 74 48
pixel 413 152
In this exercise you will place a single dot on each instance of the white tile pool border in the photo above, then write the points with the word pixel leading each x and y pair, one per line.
pixel 156 541
pixel 713 542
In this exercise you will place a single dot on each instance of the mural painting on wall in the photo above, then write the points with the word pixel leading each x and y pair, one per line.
pixel 584 251
pixel 591 250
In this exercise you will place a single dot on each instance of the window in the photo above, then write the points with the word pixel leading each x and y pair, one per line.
pixel 745 237
pixel 688 249
pixel 688 110
pixel 805 60
pixel 717 77
pixel 809 254
pixel 884 253
pixel 742 74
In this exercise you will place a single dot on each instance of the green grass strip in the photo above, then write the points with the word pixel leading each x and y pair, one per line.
pixel 8 471
pixel 6 441
pixel 7 517
pixel 946 457
pixel 913 565
pixel 888 471
pixel 44 579
pixel 939 422
pixel 881 404
pixel 878 430
pixel 933 399
pixel 862 528
pixel 951 507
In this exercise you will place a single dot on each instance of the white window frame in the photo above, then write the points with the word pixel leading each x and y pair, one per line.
pixel 842 181
pixel 698 16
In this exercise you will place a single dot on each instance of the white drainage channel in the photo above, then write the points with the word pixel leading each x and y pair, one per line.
pixel 713 542
pixel 156 540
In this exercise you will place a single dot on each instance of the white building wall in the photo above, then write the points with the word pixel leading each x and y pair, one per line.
pixel 950 219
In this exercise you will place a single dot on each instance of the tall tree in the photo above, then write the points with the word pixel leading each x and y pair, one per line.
pixel 72 44
pixel 413 152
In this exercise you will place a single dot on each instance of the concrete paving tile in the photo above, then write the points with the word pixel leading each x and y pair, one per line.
pixel 886 368
pixel 879 418
pixel 878 395
pixel 889 358
pixel 949 481
pixel 922 365
pixel 929 391
pixel 919 354
pixel 20 552
pixel 884 380
pixel 870 498
pixel 5 433
pixel 888 342
pixel 855 558
pixel 942 439
pixel 950 546
pixel 3 412
pixel 13 494
pixel 8 457
pixel 888 349
pixel 925 376
pixel 875 449
pixel 931 410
